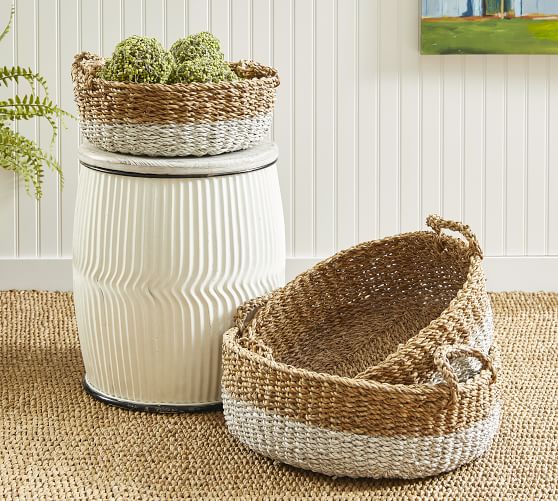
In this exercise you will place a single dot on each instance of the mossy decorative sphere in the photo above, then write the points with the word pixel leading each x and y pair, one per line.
pixel 141 60
pixel 203 44
pixel 204 69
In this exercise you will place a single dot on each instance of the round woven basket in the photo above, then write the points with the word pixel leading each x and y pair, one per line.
pixel 378 362
pixel 174 119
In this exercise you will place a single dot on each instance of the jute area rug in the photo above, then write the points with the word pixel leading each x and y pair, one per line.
pixel 58 443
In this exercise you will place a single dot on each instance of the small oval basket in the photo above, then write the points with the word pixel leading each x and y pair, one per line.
pixel 173 120
pixel 378 362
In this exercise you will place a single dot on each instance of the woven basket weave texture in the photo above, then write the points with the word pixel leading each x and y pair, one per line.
pixel 174 119
pixel 378 362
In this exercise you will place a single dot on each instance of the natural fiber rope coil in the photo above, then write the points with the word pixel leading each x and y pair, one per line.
pixel 377 362
pixel 174 119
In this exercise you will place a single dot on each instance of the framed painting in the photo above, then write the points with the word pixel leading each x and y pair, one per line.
pixel 489 27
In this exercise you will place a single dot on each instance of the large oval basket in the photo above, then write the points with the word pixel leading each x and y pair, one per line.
pixel 377 362
pixel 174 119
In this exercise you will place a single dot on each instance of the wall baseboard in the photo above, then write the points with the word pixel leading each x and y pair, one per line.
pixel 504 273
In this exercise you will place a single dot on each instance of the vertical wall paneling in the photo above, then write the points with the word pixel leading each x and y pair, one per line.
pixel 68 45
pixel 8 181
pixel 409 130
pixel 496 154
pixel 347 121
pixel 390 117
pixel 154 19
pixel 26 56
pixel 133 15
pixel 91 27
pixel 473 143
pixel 283 123
pixel 552 158
pixel 304 118
pixel 241 29
pixel 367 96
pixel 453 133
pixel 324 207
pixel 432 136
pixel 372 135
pixel 220 22
pixel 517 154
pixel 537 120
pixel 175 19
pixel 112 27
pixel 549 137
pixel 49 227
pixel 262 31
pixel 198 15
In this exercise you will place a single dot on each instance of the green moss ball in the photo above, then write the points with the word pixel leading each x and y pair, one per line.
pixel 141 60
pixel 204 69
pixel 203 44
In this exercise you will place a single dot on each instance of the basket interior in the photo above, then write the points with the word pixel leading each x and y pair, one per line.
pixel 352 312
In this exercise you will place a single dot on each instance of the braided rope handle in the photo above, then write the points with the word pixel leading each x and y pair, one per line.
pixel 251 69
pixel 85 67
pixel 438 224
pixel 246 311
pixel 445 353
pixel 246 334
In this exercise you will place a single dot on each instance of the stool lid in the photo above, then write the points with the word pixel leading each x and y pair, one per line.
pixel 257 157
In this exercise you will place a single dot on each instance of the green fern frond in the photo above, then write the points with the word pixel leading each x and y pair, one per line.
pixel 21 155
pixel 9 25
pixel 30 106
pixel 16 73
pixel 18 153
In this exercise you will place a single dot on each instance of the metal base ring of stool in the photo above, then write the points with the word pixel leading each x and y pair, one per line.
pixel 141 407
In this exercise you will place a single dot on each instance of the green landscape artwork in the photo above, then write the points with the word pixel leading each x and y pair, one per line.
pixel 489 27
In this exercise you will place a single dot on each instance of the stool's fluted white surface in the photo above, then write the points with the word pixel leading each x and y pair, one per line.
pixel 160 265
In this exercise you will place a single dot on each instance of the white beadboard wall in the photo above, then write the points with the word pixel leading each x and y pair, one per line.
pixel 373 137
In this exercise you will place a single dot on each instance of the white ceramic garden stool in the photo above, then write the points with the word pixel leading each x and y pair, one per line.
pixel 164 251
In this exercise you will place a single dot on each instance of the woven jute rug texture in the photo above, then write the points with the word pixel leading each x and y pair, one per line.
pixel 58 443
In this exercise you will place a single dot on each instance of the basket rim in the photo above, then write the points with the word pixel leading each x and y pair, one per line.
pixel 474 268
pixel 423 390
pixel 86 59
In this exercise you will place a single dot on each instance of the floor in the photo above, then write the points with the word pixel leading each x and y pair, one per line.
pixel 58 443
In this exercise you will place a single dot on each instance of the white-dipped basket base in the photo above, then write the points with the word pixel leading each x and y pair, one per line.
pixel 178 140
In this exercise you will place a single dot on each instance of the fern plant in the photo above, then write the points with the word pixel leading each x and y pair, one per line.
pixel 18 153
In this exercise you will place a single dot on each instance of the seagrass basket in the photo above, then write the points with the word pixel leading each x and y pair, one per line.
pixel 174 119
pixel 378 362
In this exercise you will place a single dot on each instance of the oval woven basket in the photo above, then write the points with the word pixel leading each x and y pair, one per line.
pixel 378 362
pixel 174 119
